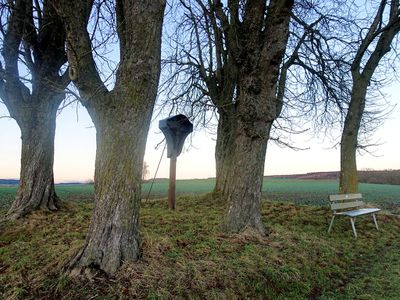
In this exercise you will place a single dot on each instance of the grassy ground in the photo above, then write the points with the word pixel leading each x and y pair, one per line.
pixel 187 257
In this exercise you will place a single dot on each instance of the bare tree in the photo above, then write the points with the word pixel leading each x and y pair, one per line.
pixel 375 43
pixel 317 80
pixel 257 44
pixel 231 61
pixel 32 84
pixel 121 117
pixel 338 70
pixel 201 76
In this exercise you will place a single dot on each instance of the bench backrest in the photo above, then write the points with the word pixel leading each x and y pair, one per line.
pixel 345 201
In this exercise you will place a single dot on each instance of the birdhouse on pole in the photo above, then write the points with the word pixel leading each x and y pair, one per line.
pixel 175 130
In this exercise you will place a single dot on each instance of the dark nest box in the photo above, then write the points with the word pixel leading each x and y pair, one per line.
pixel 175 130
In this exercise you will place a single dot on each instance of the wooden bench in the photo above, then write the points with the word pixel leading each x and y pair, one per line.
pixel 350 205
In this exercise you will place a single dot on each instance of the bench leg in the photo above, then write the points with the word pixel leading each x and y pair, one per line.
pixel 376 223
pixel 352 221
pixel 330 225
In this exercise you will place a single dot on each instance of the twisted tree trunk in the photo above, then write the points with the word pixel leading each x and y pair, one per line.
pixel 255 113
pixel 36 189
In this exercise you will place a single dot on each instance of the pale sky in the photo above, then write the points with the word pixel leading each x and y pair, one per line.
pixel 75 147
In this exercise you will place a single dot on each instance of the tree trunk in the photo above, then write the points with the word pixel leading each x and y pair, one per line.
pixel 255 112
pixel 348 165
pixel 113 236
pixel 381 37
pixel 224 151
pixel 122 118
pixel 348 182
pixel 244 184
pixel 36 189
pixel 34 107
pixel 256 107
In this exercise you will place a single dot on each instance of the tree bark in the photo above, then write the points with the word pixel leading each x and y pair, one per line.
pixel 224 151
pixel 255 112
pixel 348 181
pixel 33 108
pixel 256 107
pixel 122 118
pixel 36 189
pixel 113 236
pixel 348 165
pixel 244 184
pixel 366 61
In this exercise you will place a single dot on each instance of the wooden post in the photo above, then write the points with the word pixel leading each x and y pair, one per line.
pixel 172 183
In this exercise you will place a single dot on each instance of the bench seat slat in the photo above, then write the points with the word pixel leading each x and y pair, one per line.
pixel 344 205
pixel 359 212
pixel 341 197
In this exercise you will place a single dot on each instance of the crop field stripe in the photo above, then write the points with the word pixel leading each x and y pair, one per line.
pixel 298 191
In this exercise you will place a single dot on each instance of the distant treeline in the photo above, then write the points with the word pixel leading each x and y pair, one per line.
pixel 9 181
pixel 382 177
pixel 364 176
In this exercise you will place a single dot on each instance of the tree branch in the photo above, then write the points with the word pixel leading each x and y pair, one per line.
pixel 83 71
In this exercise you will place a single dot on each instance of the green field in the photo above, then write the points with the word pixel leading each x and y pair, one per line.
pixel 312 192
